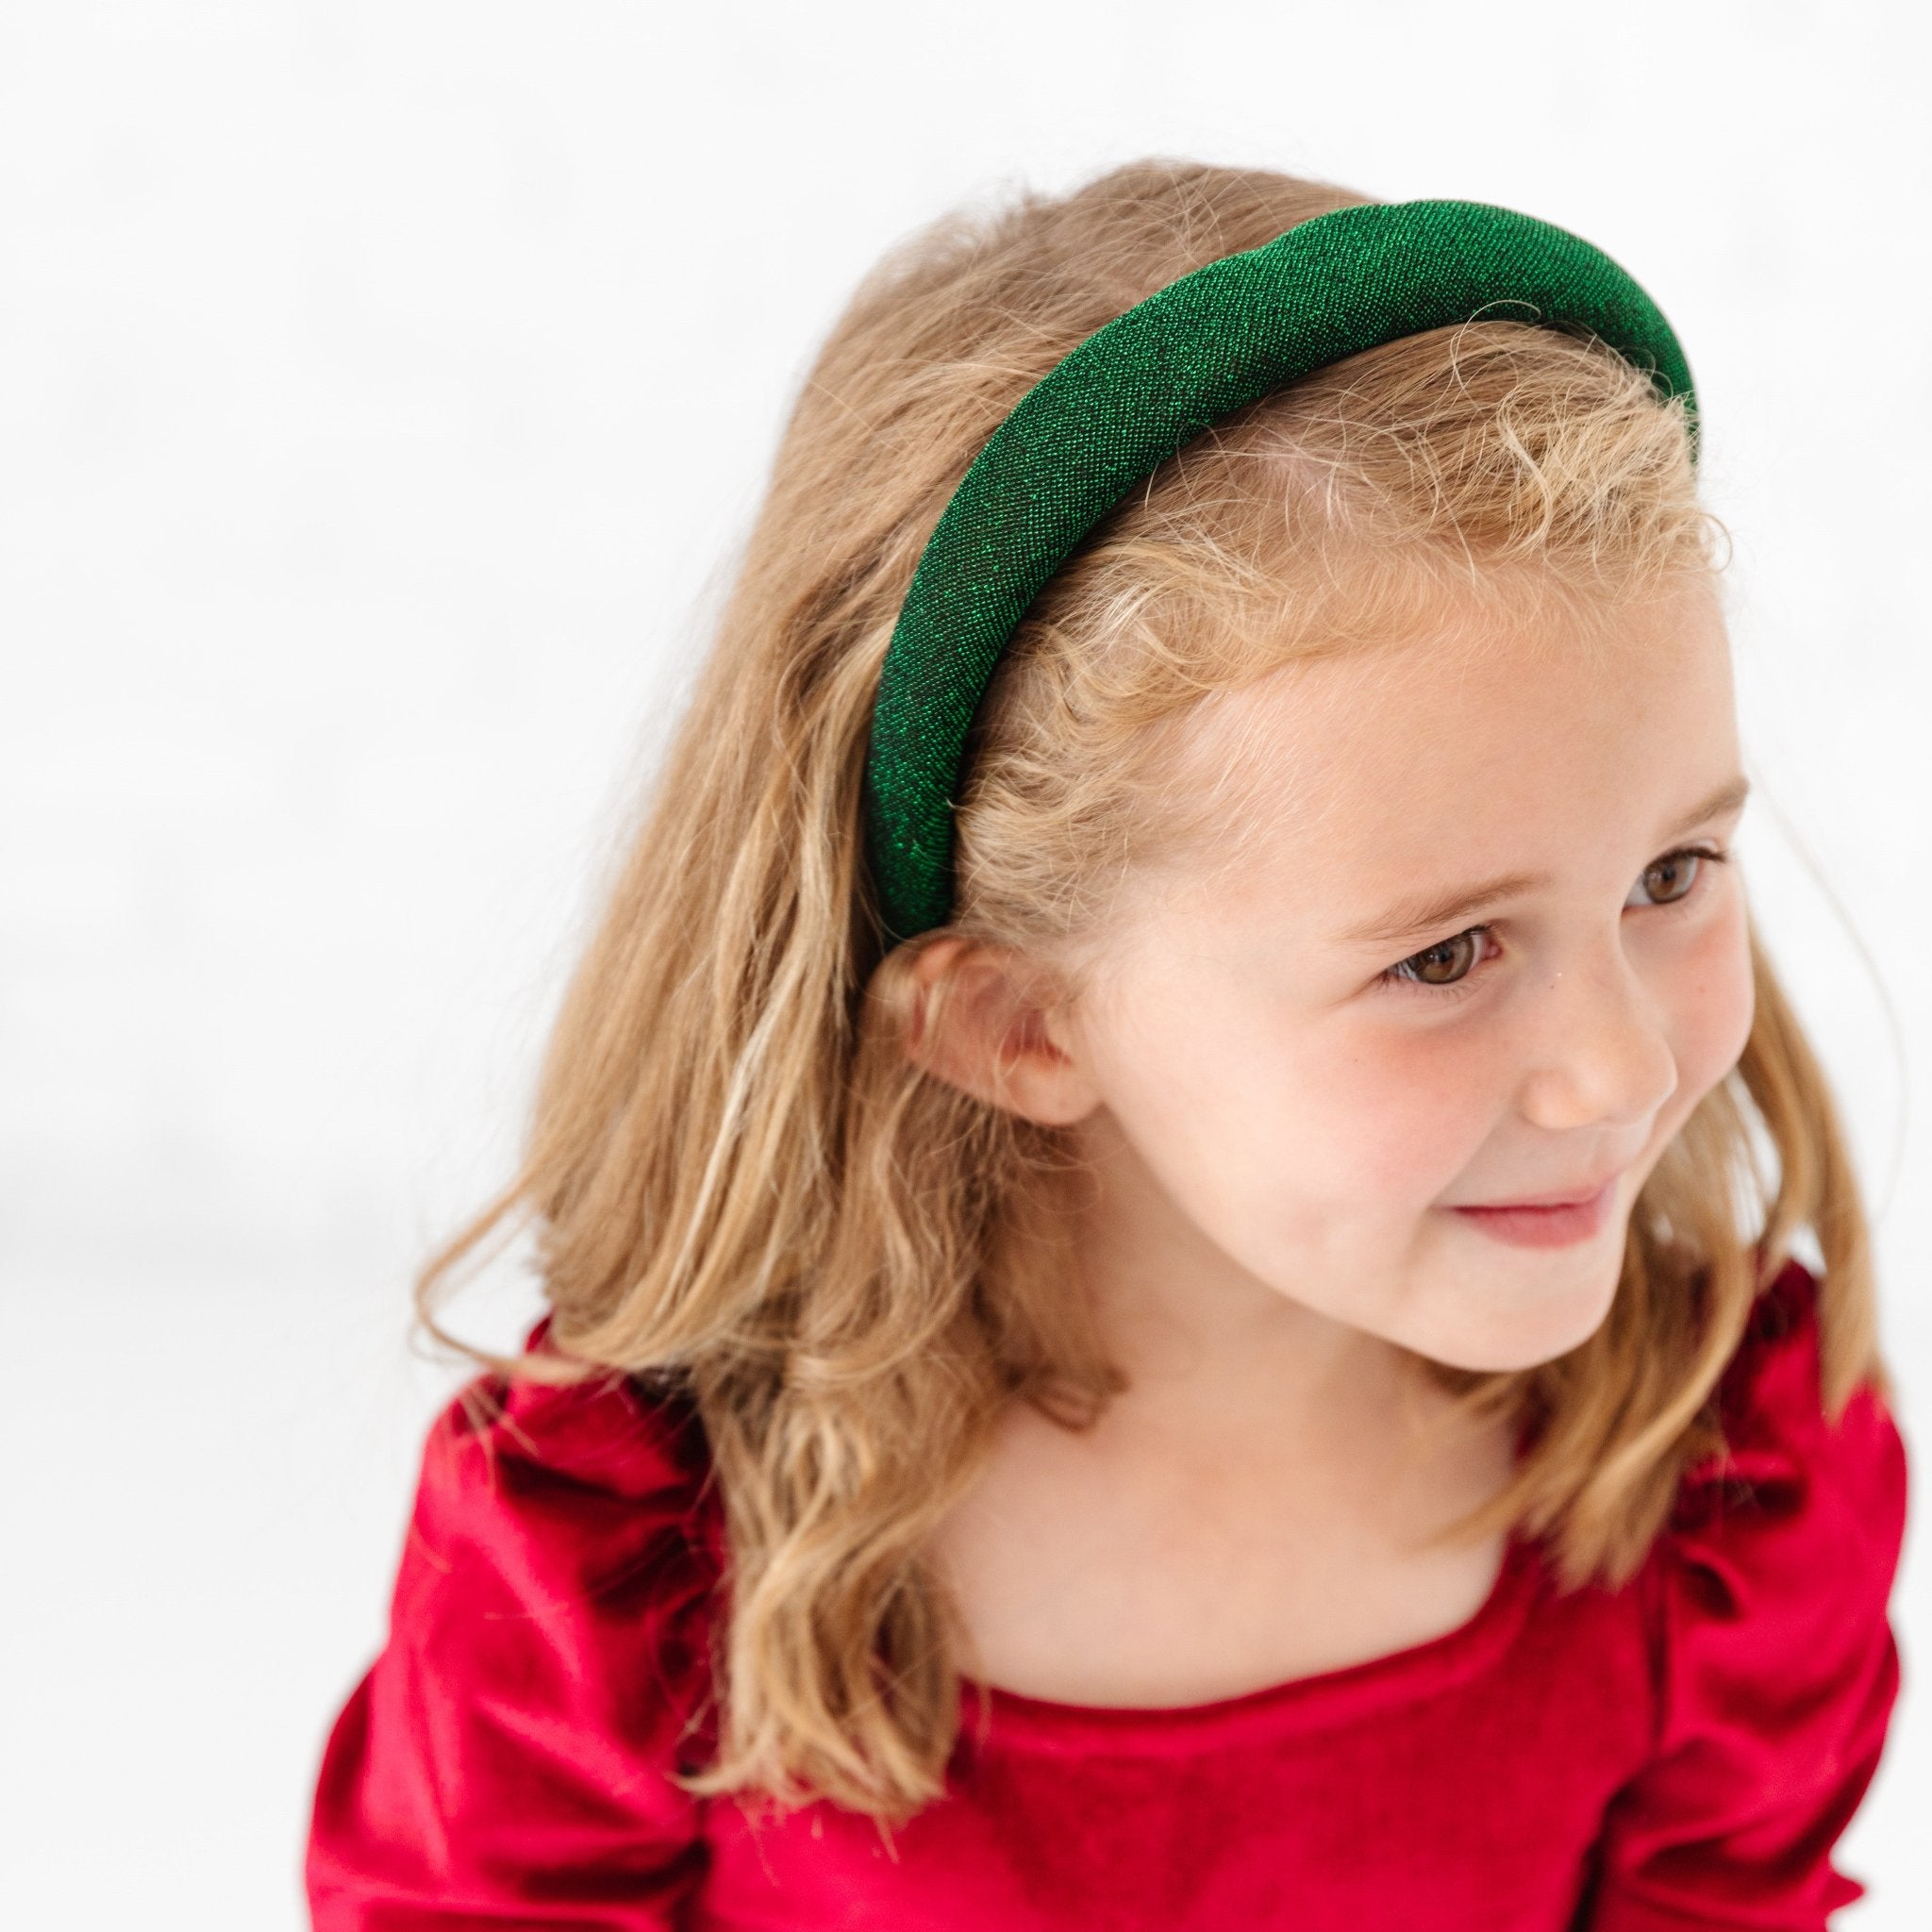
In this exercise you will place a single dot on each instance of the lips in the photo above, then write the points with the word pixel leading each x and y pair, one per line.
pixel 1543 1226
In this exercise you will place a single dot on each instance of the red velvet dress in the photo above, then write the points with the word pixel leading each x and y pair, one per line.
pixel 1681 1753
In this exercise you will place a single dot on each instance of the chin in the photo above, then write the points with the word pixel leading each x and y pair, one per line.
pixel 1525 1337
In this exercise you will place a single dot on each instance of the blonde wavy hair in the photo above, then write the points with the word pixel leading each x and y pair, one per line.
pixel 741 1182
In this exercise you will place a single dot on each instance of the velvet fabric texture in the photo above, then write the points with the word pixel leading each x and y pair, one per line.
pixel 1681 1752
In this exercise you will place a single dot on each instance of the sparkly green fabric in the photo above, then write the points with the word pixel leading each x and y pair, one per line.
pixel 1131 395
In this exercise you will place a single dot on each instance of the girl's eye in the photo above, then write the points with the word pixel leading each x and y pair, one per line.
pixel 1450 957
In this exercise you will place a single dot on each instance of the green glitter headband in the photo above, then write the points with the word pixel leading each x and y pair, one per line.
pixel 1131 395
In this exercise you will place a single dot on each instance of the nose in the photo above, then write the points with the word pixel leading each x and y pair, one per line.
pixel 1603 1052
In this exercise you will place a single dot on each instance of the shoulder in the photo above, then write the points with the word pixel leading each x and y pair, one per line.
pixel 589 1507
pixel 547 1668
pixel 1777 1562
pixel 609 1436
pixel 1774 1666
pixel 1785 1463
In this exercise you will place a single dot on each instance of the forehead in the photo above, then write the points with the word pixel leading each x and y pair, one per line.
pixel 1492 736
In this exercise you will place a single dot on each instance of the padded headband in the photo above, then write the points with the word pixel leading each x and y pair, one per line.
pixel 1131 395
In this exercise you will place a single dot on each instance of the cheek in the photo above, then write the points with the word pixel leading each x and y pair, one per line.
pixel 1402 1106
pixel 1712 1004
pixel 1281 1124
pixel 1386 1113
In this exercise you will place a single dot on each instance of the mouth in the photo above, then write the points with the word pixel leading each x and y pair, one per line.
pixel 1548 1224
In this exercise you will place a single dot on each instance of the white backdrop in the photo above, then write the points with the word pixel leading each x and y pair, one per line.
pixel 386 386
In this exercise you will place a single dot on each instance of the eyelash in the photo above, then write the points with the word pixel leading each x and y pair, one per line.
pixel 1394 976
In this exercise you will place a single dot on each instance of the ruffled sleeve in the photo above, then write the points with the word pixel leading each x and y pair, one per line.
pixel 1774 1662
pixel 505 1761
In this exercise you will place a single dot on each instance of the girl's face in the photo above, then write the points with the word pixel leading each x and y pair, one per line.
pixel 1297 1071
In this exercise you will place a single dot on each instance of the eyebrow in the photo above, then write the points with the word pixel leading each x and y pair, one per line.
pixel 1415 916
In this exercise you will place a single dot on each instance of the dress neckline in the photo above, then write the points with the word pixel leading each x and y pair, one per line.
pixel 1341 1696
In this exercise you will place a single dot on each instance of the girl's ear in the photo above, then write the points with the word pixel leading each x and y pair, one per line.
pixel 983 1021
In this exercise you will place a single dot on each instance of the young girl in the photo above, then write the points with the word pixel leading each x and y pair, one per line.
pixel 1164 1305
